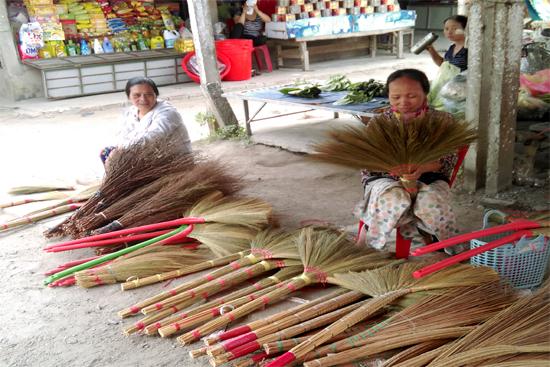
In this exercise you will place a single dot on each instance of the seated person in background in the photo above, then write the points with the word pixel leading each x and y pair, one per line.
pixel 250 23
pixel 147 118
pixel 457 54
pixel 386 204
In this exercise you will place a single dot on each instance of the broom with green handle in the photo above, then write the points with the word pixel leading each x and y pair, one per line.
pixel 182 231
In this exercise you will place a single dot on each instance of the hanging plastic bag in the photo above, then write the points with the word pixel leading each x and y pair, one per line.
pixel 536 84
pixel 453 95
pixel 446 72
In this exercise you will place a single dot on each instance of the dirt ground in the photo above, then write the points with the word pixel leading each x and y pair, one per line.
pixel 79 327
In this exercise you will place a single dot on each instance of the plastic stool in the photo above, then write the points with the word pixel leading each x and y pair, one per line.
pixel 258 51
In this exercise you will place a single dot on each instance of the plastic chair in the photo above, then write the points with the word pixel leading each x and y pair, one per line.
pixel 403 245
pixel 258 52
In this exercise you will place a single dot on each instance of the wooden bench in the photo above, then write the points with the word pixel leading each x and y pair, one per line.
pixel 298 48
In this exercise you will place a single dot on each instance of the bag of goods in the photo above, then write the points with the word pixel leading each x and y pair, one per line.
pixel 30 36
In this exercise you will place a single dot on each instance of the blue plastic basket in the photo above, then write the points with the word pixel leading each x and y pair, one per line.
pixel 522 263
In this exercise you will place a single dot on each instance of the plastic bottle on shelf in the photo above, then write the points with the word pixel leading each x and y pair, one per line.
pixel 157 42
pixel 85 48
pixel 98 49
pixel 107 46
pixel 170 38
pixel 71 48
pixel 142 45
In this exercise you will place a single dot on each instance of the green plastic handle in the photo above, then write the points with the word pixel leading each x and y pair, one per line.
pixel 111 256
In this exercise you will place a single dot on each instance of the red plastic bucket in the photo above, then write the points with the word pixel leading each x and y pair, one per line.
pixel 239 52
pixel 196 78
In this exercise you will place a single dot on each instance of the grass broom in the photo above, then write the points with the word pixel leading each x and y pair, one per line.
pixel 215 286
pixel 323 252
pixel 149 321
pixel 457 307
pixel 183 230
pixel 240 330
pixel 156 259
pixel 177 196
pixel 31 219
pixel 386 145
pixel 129 169
pixel 415 351
pixel 386 285
pixel 268 244
pixel 524 323
pixel 298 317
pixel 174 324
pixel 28 190
pixel 419 360
pixel 311 324
pixel 53 195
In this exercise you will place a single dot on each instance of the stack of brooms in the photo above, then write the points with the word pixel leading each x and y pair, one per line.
pixel 222 225
pixel 64 201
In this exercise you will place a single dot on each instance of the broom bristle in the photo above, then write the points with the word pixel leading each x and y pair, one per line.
pixel 223 239
pixel 271 243
pixel 248 212
pixel 154 260
pixel 386 279
pixel 385 144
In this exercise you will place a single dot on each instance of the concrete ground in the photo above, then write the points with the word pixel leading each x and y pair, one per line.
pixel 45 141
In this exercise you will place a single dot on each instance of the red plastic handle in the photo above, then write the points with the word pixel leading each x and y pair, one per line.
pixel 514 226
pixel 234 332
pixel 283 360
pixel 148 227
pixel 468 254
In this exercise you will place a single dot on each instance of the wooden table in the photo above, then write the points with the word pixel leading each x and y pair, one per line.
pixel 348 41
pixel 325 102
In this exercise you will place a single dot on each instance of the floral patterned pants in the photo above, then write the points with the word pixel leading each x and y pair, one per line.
pixel 386 205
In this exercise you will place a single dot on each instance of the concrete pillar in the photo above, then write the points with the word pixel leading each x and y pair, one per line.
pixel 203 38
pixel 18 81
pixel 494 44
pixel 462 7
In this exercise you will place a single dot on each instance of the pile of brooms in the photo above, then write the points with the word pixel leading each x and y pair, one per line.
pixel 386 311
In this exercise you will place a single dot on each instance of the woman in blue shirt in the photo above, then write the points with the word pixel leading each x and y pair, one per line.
pixel 457 54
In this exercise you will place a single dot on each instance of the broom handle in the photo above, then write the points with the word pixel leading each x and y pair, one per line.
pixel 34 218
pixel 137 283
pixel 116 254
pixel 148 227
pixel 514 226
pixel 69 264
pixel 470 253
pixel 110 241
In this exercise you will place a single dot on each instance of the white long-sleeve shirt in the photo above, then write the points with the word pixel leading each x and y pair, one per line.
pixel 162 119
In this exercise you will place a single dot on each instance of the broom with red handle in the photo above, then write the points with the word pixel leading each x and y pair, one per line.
pixel 473 252
pixel 518 225
pixel 134 230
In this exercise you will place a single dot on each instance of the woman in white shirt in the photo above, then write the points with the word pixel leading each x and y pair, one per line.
pixel 148 118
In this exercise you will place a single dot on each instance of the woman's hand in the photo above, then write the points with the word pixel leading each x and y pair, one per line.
pixel 423 168
pixel 436 57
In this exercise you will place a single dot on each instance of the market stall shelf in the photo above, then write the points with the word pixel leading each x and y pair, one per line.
pixel 101 73
pixel 325 101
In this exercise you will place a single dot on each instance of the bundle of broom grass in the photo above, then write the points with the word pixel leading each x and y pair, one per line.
pixel 66 201
pixel 323 252
pixel 385 285
pixel 519 334
pixel 448 315
pixel 244 218
pixel 129 169
pixel 388 145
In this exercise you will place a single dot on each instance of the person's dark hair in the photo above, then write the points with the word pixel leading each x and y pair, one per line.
pixel 140 80
pixel 463 20
pixel 413 74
